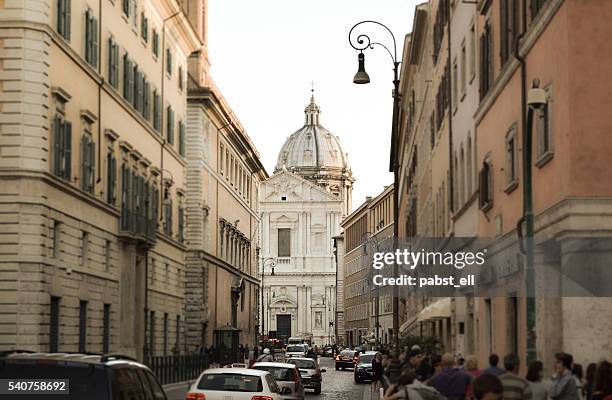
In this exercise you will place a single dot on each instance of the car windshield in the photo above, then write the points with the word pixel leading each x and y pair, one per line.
pixel 87 381
pixel 347 353
pixel 366 358
pixel 231 383
pixel 279 373
pixel 295 349
pixel 305 364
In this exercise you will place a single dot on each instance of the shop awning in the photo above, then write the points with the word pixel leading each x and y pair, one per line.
pixel 438 309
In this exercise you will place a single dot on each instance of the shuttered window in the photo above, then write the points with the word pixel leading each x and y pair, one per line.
pixel 168 217
pixel 170 125
pixel 125 198
pixel 144 27
pixel 91 38
pixel 169 61
pixel 284 242
pixel 88 161
pixel 54 316
pixel 128 78
pixel 106 329
pixel 63 18
pixel 152 225
pixel 508 29
pixel 111 178
pixel 137 99
pixel 536 6
pixel 152 333
pixel 113 63
pixel 155 44
pixel 62 148
pixel 486 60
pixel 126 7
pixel 156 111
pixel 486 187
pixel 82 326
pixel 181 144
pixel 146 99
pixel 165 333
pixel 181 223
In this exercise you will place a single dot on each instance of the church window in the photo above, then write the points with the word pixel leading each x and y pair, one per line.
pixel 284 242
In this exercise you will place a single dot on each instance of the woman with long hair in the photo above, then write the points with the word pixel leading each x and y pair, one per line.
pixel 535 373
pixel 588 382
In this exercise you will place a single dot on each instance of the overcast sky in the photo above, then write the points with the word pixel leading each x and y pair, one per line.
pixel 265 53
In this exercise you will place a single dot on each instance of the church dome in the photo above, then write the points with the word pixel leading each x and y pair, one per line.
pixel 312 146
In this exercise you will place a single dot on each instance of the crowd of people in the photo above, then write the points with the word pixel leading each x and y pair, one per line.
pixel 416 376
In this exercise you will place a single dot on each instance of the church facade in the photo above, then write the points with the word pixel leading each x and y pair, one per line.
pixel 302 206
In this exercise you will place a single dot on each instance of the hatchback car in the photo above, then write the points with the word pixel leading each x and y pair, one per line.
pixel 89 376
pixel 287 376
pixel 309 371
pixel 363 369
pixel 346 359
pixel 234 384
pixel 296 350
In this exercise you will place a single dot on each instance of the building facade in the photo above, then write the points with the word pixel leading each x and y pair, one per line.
pixel 92 171
pixel 368 308
pixel 494 51
pixel 302 206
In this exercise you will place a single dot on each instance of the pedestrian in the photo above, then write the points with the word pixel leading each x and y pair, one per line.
pixel 535 373
pixel 487 387
pixel 515 387
pixel 265 357
pixel 394 370
pixel 412 362
pixel 578 377
pixel 471 368
pixel 377 371
pixel 563 384
pixel 493 369
pixel 410 388
pixel 590 377
pixel 451 381
pixel 602 384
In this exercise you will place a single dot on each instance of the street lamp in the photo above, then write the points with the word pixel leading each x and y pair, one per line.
pixel 536 99
pixel 272 262
pixel 361 42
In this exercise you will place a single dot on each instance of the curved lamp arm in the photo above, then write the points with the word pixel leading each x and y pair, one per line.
pixel 362 41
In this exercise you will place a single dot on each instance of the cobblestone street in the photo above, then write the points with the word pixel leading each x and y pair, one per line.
pixel 337 385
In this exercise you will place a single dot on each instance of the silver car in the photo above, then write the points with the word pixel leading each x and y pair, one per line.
pixel 310 372
pixel 287 376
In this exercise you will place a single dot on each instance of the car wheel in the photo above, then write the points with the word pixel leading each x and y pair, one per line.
pixel 337 368
pixel 317 390
pixel 343 368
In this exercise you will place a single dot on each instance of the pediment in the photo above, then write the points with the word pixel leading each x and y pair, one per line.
pixel 287 186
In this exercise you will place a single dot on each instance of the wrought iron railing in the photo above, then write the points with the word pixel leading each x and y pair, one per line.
pixel 173 369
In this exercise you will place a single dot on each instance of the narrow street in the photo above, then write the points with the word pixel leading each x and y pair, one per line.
pixel 337 385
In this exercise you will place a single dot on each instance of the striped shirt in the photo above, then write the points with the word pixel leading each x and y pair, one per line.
pixel 515 387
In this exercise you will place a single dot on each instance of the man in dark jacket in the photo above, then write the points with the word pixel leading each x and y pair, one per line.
pixel 451 381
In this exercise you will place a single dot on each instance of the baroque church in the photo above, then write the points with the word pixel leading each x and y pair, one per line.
pixel 302 206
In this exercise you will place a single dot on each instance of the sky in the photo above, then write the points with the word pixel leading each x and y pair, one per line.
pixel 266 53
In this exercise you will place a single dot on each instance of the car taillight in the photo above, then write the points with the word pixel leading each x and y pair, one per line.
pixel 195 396
pixel 261 398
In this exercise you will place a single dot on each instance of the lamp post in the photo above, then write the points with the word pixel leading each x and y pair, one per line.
pixel 361 42
pixel 367 239
pixel 272 262
pixel 536 99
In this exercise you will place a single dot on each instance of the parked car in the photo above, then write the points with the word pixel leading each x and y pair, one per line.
pixel 287 376
pixel 235 384
pixel 296 350
pixel 90 376
pixel 363 369
pixel 309 371
pixel 346 359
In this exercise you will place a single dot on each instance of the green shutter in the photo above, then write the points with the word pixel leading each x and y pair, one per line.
pixel 91 147
pixel 84 162
pixel 67 149
pixel 182 138
pixel 94 45
pixel 67 7
pixel 57 133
